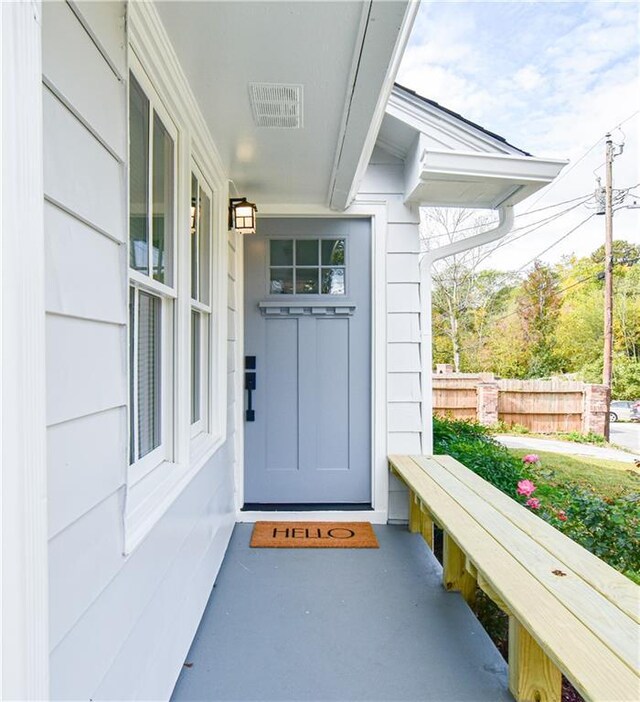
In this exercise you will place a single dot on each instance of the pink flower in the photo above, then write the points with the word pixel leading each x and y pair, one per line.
pixel 531 458
pixel 533 502
pixel 562 515
pixel 526 488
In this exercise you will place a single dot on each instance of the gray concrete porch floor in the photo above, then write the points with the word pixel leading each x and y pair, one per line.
pixel 338 624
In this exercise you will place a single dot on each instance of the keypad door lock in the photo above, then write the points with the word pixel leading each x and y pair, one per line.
pixel 250 386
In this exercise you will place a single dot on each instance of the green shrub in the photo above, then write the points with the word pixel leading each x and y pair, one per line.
pixel 609 527
pixel 473 445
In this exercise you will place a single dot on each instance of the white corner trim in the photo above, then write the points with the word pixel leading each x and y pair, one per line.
pixel 25 613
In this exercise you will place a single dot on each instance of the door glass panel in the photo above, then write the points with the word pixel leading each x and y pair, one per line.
pixel 333 252
pixel 162 202
pixel 307 252
pixel 138 178
pixel 281 281
pixel 306 281
pixel 333 281
pixel 281 252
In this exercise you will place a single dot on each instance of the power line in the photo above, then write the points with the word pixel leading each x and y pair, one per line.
pixel 522 214
pixel 584 155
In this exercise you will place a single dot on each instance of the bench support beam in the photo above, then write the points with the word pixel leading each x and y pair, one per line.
pixel 454 572
pixel 532 675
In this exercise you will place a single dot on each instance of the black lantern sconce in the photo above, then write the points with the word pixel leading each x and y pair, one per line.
pixel 242 215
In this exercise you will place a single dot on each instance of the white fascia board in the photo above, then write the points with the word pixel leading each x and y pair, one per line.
pixel 385 35
pixel 518 176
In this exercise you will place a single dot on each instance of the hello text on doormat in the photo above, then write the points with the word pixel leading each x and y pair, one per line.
pixel 313 535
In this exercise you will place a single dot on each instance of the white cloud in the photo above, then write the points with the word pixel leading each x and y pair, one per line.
pixel 528 78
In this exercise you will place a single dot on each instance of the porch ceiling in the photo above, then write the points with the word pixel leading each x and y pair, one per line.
pixel 326 47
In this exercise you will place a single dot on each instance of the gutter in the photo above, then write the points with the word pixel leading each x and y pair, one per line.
pixel 505 224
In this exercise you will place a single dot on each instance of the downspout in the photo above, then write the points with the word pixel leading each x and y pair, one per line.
pixel 505 223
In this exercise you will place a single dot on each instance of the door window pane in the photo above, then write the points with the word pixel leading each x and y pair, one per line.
pixel 149 387
pixel 162 202
pixel 306 281
pixel 281 281
pixel 333 252
pixel 281 252
pixel 307 252
pixel 333 282
pixel 138 178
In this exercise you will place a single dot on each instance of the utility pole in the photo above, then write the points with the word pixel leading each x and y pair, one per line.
pixel 608 273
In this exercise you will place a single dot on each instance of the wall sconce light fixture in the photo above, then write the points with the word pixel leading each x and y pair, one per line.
pixel 242 215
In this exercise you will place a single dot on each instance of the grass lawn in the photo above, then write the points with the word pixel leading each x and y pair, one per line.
pixel 607 478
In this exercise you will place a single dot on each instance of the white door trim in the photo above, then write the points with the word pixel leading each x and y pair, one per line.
pixel 24 585
pixel 376 211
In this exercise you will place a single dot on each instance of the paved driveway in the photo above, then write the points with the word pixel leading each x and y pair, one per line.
pixel 567 447
pixel 626 434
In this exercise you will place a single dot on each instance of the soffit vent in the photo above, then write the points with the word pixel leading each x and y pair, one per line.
pixel 276 105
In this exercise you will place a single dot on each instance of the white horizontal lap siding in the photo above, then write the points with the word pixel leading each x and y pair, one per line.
pixel 119 626
pixel 385 179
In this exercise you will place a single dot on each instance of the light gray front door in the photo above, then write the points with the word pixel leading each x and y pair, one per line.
pixel 308 334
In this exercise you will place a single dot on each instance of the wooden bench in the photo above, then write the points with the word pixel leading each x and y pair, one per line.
pixel 569 612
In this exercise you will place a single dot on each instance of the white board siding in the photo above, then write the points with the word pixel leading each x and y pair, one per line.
pixel 404 416
pixel 403 297
pixel 122 625
pixel 79 173
pixel 86 368
pixel 105 21
pixel 85 271
pixel 402 358
pixel 403 387
pixel 82 561
pixel 402 268
pixel 405 442
pixel 402 238
pixel 403 327
pixel 79 477
pixel 79 74
pixel 108 623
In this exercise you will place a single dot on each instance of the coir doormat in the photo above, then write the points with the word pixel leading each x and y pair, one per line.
pixel 313 535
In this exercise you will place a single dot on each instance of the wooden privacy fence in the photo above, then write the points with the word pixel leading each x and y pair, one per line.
pixel 569 612
pixel 542 406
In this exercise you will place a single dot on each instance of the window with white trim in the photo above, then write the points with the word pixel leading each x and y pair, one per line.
pixel 152 291
pixel 201 307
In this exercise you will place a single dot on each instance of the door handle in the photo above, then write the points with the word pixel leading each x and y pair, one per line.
pixel 250 386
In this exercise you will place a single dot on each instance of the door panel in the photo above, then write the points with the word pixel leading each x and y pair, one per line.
pixel 307 322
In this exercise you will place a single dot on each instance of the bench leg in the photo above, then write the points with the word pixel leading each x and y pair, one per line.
pixel 426 528
pixel 414 513
pixel 532 675
pixel 454 573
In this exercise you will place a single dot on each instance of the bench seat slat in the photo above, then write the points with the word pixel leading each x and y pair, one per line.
pixel 613 585
pixel 596 672
pixel 611 625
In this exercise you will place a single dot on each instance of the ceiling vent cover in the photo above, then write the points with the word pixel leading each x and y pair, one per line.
pixel 276 105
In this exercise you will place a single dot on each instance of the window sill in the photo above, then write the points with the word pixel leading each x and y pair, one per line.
pixel 148 500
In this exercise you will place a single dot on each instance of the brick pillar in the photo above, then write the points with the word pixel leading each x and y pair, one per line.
pixel 444 368
pixel 487 394
pixel 596 409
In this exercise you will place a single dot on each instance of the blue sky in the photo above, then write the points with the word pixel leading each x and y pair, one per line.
pixel 551 77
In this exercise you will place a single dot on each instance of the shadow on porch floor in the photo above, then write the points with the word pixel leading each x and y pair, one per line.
pixel 333 624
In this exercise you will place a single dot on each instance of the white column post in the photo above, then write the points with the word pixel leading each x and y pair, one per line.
pixel 24 589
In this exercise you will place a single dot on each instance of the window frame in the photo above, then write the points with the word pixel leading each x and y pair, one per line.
pixel 137 281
